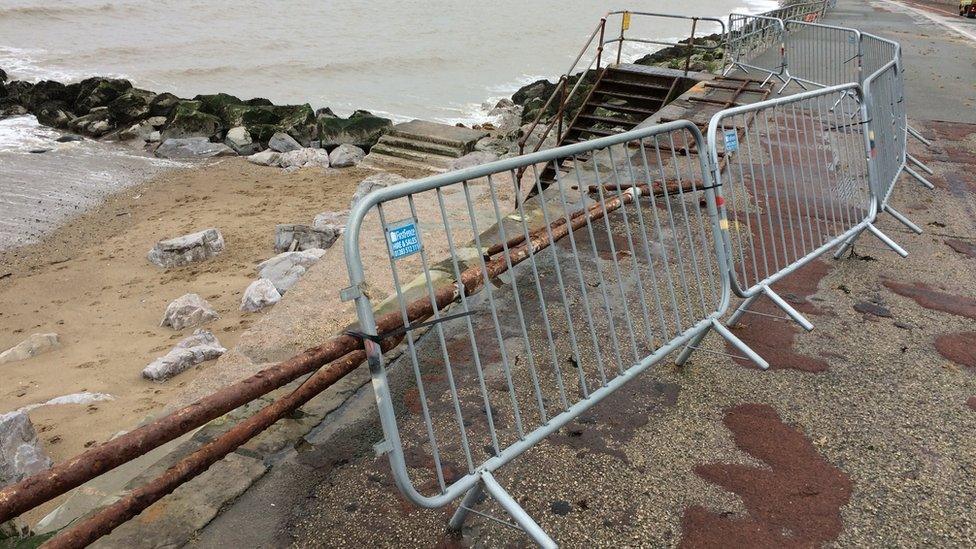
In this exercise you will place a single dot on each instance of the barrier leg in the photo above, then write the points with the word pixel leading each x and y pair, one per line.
pixel 888 242
pixel 919 163
pixel 903 220
pixel 919 178
pixel 738 344
pixel 741 310
pixel 787 308
pixel 469 501
pixel 691 346
pixel 847 244
pixel 531 527
pixel 914 133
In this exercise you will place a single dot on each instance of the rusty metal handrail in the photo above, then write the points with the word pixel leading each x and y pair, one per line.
pixel 566 98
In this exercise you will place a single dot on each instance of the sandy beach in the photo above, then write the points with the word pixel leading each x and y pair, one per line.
pixel 90 282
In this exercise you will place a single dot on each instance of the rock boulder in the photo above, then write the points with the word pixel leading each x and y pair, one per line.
pixel 32 346
pixel 361 129
pixel 264 158
pixel 346 155
pixel 192 147
pixel 373 183
pixel 239 139
pixel 260 294
pixel 21 454
pixel 186 249
pixel 282 142
pixel 186 311
pixel 304 158
pixel 285 269
pixel 199 347
pixel 289 237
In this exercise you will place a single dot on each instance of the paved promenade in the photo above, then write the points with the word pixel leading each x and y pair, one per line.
pixel 859 435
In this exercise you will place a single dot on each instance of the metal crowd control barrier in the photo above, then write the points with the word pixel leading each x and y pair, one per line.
pixel 823 55
pixel 534 332
pixel 796 183
pixel 749 46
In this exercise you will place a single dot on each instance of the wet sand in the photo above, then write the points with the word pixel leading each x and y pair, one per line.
pixel 90 282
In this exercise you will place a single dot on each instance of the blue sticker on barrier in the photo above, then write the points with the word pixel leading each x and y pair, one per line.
pixel 731 141
pixel 403 238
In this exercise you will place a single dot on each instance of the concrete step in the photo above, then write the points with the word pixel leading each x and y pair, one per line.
pixel 436 160
pixel 414 144
pixel 441 134
pixel 378 160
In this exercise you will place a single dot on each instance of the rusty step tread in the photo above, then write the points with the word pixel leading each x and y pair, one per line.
pixel 610 119
pixel 594 131
pixel 631 96
pixel 636 83
pixel 623 108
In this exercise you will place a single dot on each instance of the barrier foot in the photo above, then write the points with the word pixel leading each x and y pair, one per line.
pixel 919 163
pixel 691 346
pixel 529 526
pixel 738 344
pixel 919 178
pixel 788 309
pixel 903 220
pixel 741 310
pixel 914 133
pixel 470 500
pixel 888 242
pixel 847 244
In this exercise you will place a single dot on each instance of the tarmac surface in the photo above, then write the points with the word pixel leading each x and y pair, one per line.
pixel 860 434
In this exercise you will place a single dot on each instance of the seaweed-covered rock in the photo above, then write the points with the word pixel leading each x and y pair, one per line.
pixel 361 129
pixel 17 92
pixel 163 104
pixel 48 91
pixel 53 113
pixel 135 104
pixel 96 123
pixel 297 121
pixel 99 92
pixel 187 120
pixel 3 77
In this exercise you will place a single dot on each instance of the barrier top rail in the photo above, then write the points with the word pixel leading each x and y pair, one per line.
pixel 508 365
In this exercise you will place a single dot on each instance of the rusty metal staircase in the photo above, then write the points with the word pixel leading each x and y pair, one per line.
pixel 622 97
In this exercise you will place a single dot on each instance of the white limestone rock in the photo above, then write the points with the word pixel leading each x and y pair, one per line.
pixel 188 310
pixel 260 294
pixel 304 158
pixel 374 182
pixel 334 221
pixel 346 155
pixel 240 140
pixel 199 347
pixel 291 237
pixel 473 159
pixel 21 454
pixel 192 147
pixel 186 249
pixel 282 142
pixel 31 347
pixel 264 158
pixel 285 269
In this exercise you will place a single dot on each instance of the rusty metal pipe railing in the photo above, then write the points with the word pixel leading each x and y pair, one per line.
pixel 111 517
pixel 472 280
pixel 46 485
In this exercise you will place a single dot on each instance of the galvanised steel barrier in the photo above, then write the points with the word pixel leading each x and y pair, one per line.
pixel 750 40
pixel 796 183
pixel 539 324
pixel 823 55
